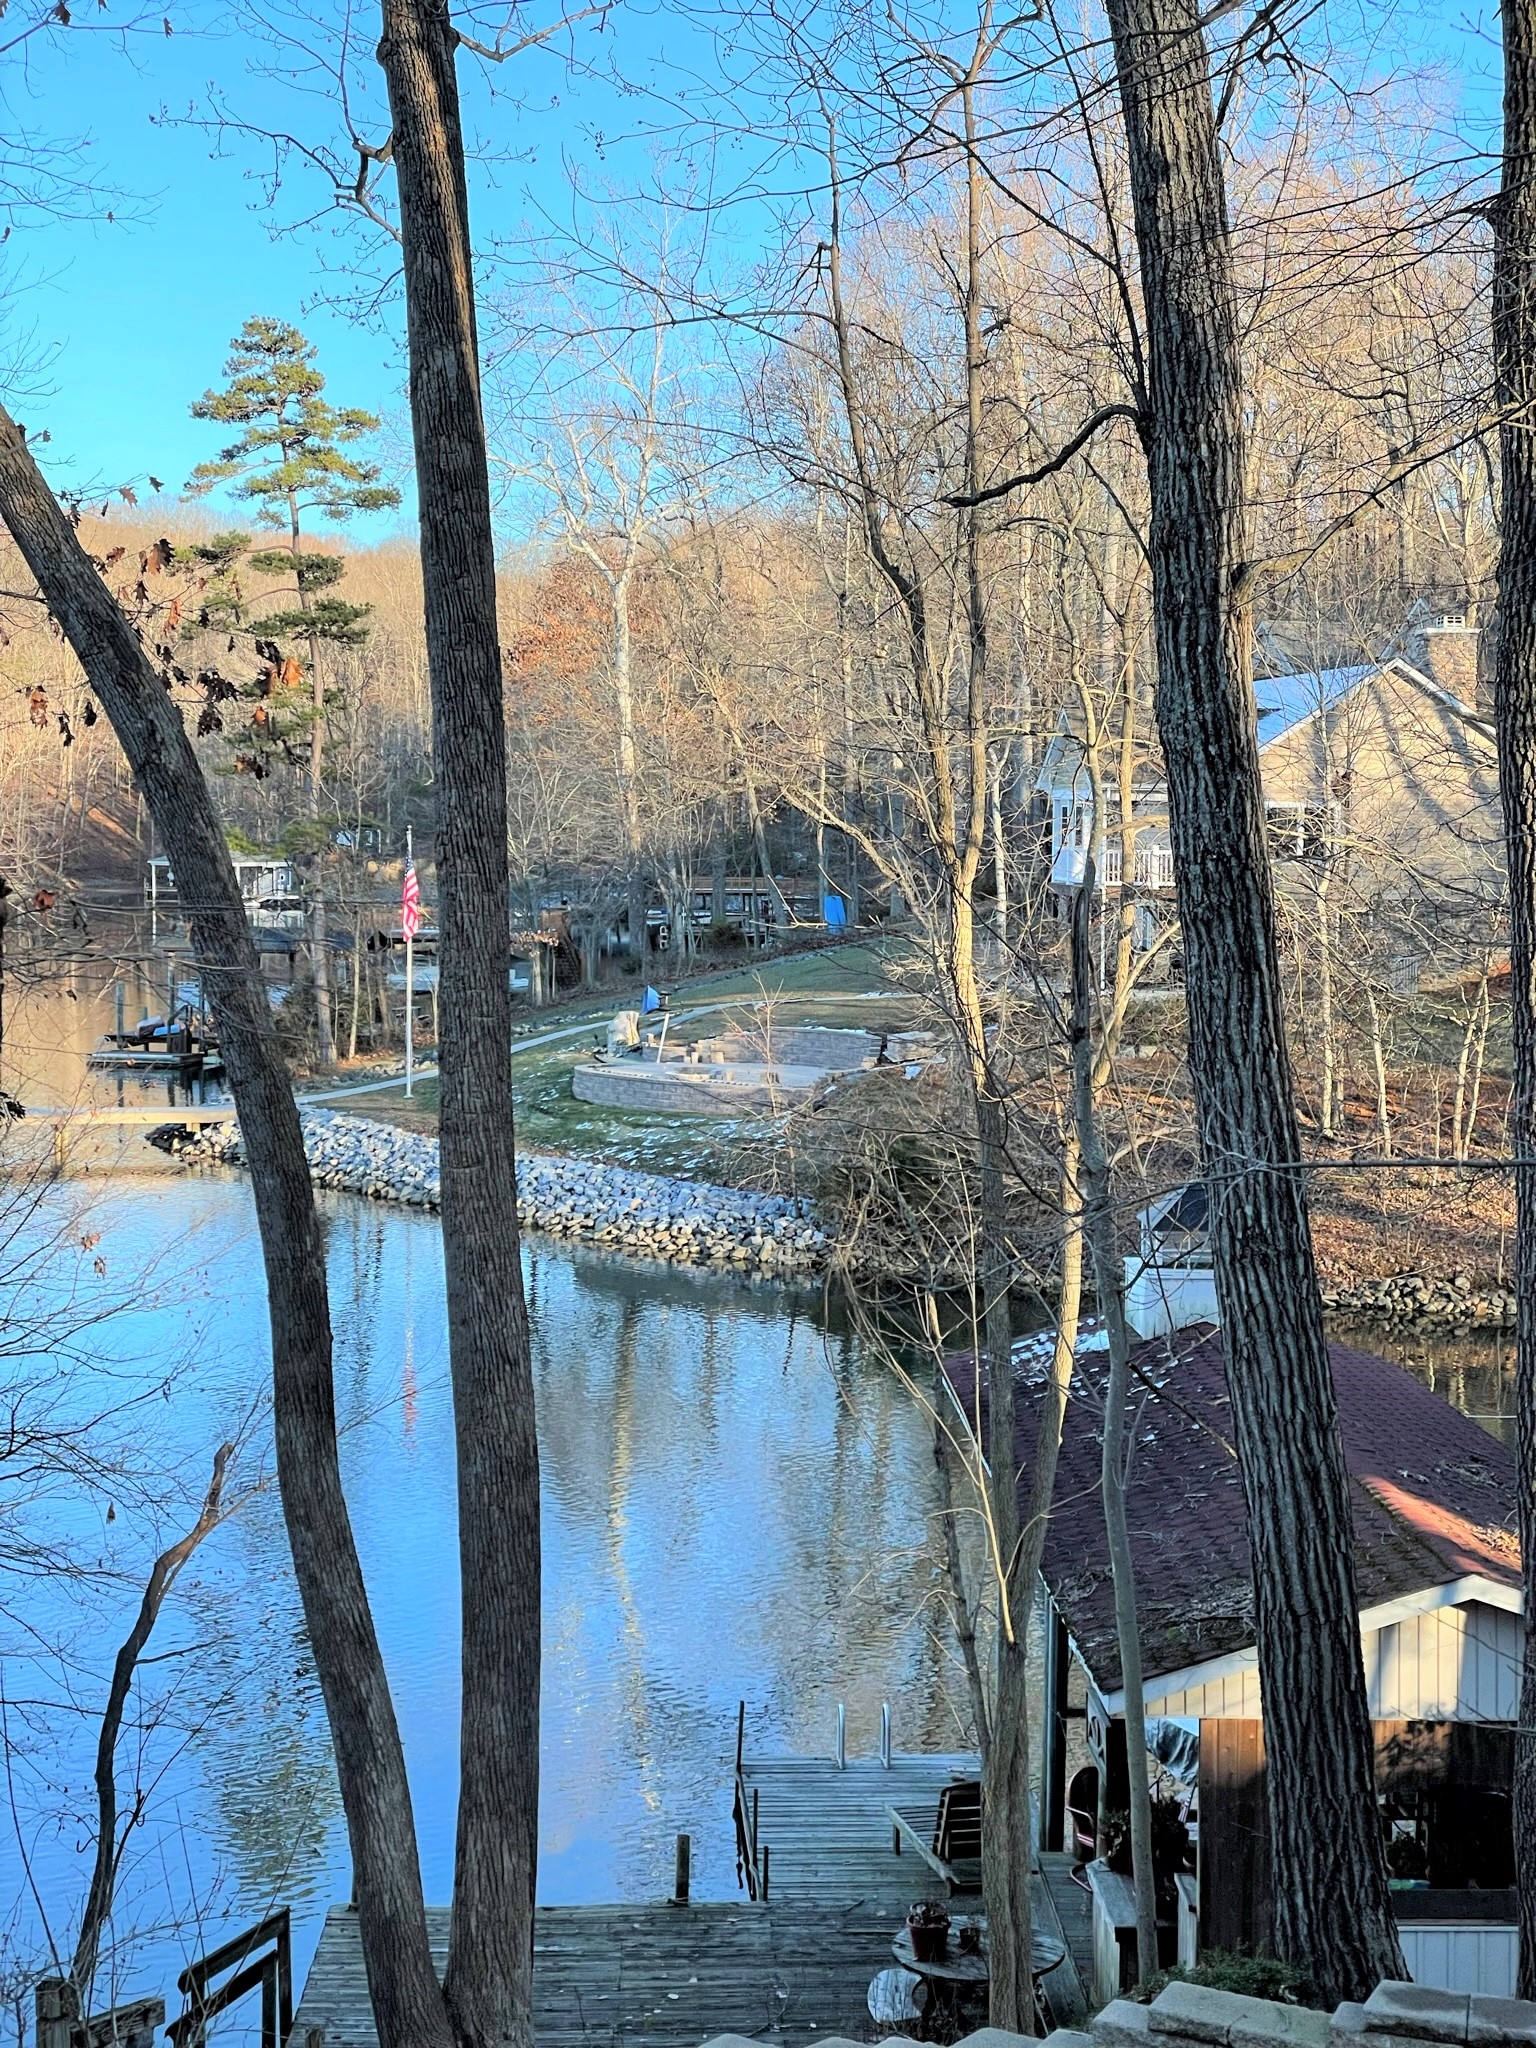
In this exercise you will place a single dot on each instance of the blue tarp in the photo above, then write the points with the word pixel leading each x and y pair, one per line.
pixel 1285 701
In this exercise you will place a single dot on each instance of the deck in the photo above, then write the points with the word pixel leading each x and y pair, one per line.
pixel 668 1976
pixel 826 1829
pixel 791 1968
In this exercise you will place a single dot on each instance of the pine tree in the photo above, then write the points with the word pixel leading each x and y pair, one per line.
pixel 291 462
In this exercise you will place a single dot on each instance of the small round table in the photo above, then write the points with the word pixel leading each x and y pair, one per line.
pixel 956 1973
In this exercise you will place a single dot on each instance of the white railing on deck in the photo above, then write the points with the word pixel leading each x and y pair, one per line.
pixel 1154 867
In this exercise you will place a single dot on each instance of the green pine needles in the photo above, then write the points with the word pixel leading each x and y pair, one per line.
pixel 292 460
pixel 290 457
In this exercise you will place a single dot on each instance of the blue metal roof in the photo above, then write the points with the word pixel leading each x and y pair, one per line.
pixel 1285 701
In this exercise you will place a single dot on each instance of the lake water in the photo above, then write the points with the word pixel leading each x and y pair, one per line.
pixel 735 1508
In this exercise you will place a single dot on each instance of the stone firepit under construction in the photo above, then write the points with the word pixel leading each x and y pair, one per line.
pixel 736 1073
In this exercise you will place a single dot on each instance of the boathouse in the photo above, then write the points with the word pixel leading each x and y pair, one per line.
pixel 1438 1571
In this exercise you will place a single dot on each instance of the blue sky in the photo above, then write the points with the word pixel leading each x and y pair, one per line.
pixel 133 319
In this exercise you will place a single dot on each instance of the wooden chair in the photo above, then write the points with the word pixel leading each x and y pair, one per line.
pixel 1083 1818
pixel 950 1842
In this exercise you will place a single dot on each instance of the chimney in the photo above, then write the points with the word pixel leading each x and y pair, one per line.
pixel 1445 650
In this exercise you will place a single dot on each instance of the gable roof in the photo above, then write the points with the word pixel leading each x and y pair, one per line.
pixel 1286 701
pixel 1432 1497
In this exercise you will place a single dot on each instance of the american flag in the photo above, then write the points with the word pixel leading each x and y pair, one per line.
pixel 410 902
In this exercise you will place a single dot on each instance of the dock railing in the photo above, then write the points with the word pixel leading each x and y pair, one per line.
pixel 752 1853
pixel 749 1870
pixel 261 1958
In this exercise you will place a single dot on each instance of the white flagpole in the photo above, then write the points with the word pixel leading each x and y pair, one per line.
pixel 410 976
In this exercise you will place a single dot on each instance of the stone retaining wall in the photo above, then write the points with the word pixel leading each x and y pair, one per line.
pixel 1459 1303
pixel 646 1215
pixel 1192 2016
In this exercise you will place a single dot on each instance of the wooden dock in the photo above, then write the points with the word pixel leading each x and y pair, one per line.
pixel 666 1976
pixel 827 1831
pixel 790 1967
pixel 105 1115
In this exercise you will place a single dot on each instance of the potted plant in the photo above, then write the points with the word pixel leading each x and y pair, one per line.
pixel 928 1925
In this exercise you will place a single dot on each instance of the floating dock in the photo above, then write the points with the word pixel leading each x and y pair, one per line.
pixel 180 1055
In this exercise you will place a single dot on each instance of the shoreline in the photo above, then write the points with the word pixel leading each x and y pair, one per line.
pixel 671 1220
pixel 614 1208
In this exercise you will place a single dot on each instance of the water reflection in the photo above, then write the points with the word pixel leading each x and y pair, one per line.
pixel 66 991
pixel 735 1508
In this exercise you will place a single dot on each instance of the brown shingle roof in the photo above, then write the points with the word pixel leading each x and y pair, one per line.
pixel 1433 1498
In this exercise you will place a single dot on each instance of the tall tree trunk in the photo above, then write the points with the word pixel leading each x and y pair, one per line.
pixel 357 981
pixel 1109 1288
pixel 629 791
pixel 1379 1070
pixel 1332 1905
pixel 1514 686
pixel 1332 1107
pixel 319 954
pixel 320 969
pixel 407 2004
pixel 489 1984
pixel 1000 861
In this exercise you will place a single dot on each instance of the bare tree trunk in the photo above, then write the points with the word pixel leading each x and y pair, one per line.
pixel 1479 1050
pixel 1109 1287
pixel 320 962
pixel 964 1601
pixel 635 943
pixel 489 1984
pixel 1331 1105
pixel 1514 344
pixel 1000 861
pixel 357 981
pixel 320 968
pixel 163 1575
pixel 407 2004
pixel 1379 1067
pixel 1332 1905
pixel 629 793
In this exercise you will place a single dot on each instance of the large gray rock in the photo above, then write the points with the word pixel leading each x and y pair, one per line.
pixel 1418 2011
pixel 1123 2023
pixel 1196 2012
pixel 1501 2022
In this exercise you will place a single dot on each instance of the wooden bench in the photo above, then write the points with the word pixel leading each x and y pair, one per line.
pixel 947 1838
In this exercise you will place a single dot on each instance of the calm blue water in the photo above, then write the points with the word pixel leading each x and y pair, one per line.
pixel 734 1508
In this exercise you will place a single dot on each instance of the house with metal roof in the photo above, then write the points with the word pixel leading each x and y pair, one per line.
pixel 1387 766
pixel 1437 1562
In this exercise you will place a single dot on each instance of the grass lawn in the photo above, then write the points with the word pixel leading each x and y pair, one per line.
pixel 802 988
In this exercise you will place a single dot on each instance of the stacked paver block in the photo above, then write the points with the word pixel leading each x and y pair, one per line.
pixel 1193 2016
pixel 1394 2016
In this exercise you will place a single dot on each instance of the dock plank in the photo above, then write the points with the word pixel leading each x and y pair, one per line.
pixel 789 1970
pixel 668 1976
